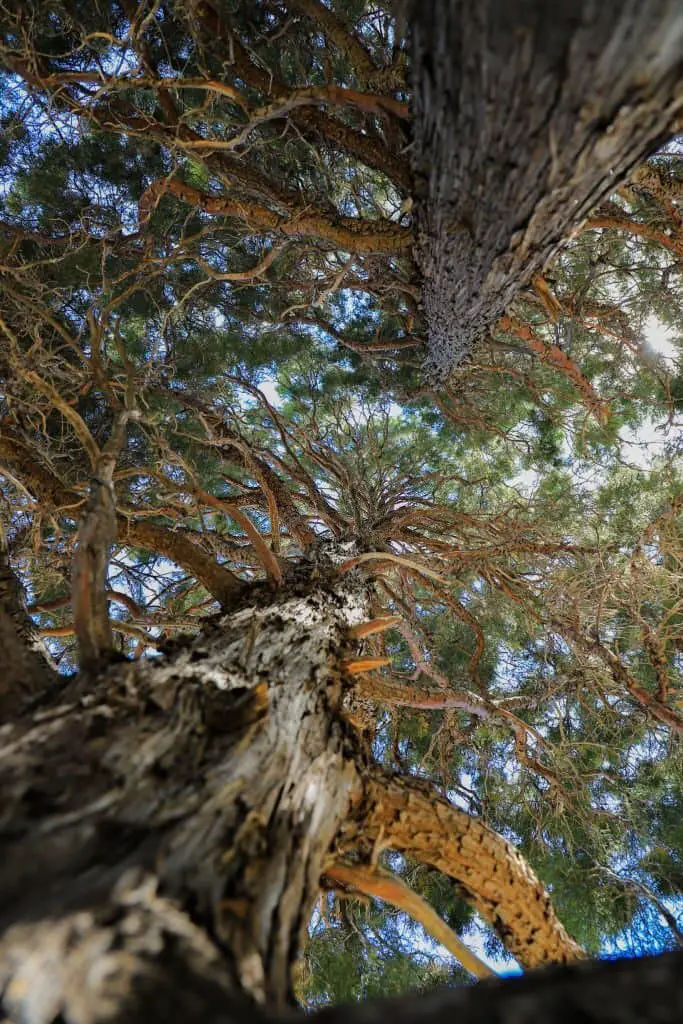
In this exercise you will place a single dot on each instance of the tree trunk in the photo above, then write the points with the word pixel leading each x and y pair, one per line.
pixel 526 113
pixel 27 669
pixel 645 991
pixel 164 825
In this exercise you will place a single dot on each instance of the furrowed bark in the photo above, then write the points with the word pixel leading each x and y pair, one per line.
pixel 404 814
pixel 26 667
pixel 526 114
pixel 165 824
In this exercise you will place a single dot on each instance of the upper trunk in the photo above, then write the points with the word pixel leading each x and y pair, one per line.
pixel 526 113
pixel 211 783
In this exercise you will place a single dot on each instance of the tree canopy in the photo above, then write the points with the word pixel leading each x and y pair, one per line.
pixel 212 359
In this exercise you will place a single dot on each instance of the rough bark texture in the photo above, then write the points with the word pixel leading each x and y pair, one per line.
pixel 164 826
pixel 26 668
pixel 405 815
pixel 526 114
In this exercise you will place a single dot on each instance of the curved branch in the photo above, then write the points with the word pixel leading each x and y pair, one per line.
pixel 392 890
pixel 348 44
pixel 175 545
pixel 368 147
pixel 620 221
pixel 406 815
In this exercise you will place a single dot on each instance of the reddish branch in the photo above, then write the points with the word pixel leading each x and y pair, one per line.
pixel 382 886
pixel 657 708
pixel 352 234
pixel 613 217
pixel 554 356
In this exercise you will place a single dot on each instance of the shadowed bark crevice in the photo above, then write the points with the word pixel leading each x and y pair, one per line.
pixel 27 670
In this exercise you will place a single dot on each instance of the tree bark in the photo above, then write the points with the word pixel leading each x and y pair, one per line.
pixel 26 669
pixel 526 114
pixel 405 814
pixel 164 825
pixel 645 991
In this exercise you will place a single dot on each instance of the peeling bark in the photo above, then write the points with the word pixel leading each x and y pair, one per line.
pixel 526 114
pixel 164 825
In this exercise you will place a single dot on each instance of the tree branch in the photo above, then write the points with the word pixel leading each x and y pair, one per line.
pixel 348 44
pixel 615 219
pixel 94 541
pixel 176 545
pixel 352 234
pixel 559 360
pixel 392 890
pixel 407 816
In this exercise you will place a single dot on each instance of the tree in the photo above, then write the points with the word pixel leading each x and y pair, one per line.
pixel 179 812
pixel 526 116
pixel 287 125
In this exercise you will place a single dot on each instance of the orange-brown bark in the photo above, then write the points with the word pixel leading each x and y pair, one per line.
pixel 405 815
pixel 392 890
pixel 348 233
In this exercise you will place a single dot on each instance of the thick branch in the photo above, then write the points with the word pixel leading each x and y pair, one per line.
pixel 368 146
pixel 396 694
pixel 348 44
pixel 614 218
pixel 352 234
pixel 553 356
pixel 406 815
pixel 95 538
pixel 26 667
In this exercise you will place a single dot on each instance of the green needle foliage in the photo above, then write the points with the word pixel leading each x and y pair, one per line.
pixel 540 489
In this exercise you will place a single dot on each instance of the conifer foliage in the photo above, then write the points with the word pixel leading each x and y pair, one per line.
pixel 312 650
